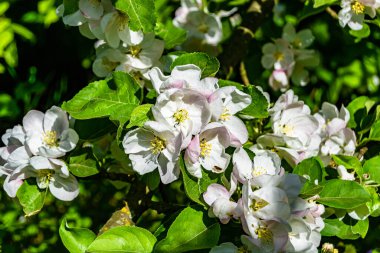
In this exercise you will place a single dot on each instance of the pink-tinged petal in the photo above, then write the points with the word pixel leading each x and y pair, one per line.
pixel 11 186
pixel 223 209
pixel 189 73
pixel 335 125
pixel 19 157
pixel 194 169
pixel 40 163
pixel 238 131
pixel 193 151
pixel 91 9
pixel 33 121
pixel 214 192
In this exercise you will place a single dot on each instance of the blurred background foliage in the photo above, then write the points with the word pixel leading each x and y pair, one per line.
pixel 43 63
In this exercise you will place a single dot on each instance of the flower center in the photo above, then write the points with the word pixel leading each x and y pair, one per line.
pixel 135 50
pixel 264 234
pixel 279 56
pixel 109 65
pixel 180 116
pixel 243 249
pixel 225 115
pixel 258 204
pixel 286 129
pixel 203 28
pixel 357 7
pixel 205 148
pixel 258 171
pixel 50 138
pixel 44 177
pixel 157 145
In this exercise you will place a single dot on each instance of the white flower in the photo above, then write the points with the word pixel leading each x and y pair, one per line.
pixel 218 198
pixel 302 39
pixel 49 134
pixel 184 110
pixel 206 27
pixel 277 55
pixel 208 150
pixel 225 103
pixel 343 174
pixel 154 146
pixel 107 59
pixel 115 27
pixel 352 13
pixel 50 173
pixel 144 54
pixel 184 76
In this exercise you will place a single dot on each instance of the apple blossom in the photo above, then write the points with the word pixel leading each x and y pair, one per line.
pixel 49 134
pixel 353 12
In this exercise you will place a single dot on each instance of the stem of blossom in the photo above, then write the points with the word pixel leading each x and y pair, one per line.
pixel 332 13
pixel 243 74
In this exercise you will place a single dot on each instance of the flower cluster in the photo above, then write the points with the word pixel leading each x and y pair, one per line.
pixel 289 58
pixel 33 149
pixel 204 29
pixel 353 12
pixel 118 47
pixel 191 114
pixel 297 134
pixel 271 213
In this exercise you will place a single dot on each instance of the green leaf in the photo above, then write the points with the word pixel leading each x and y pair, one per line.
pixel 195 187
pixel 343 194
pixel 31 198
pixel 361 34
pixel 23 32
pixel 192 230
pixel 113 97
pixel 81 166
pixel 139 115
pixel 141 13
pixel 172 35
pixel 259 106
pixel 309 189
pixel 123 239
pixel 76 240
pixel 352 231
pixel 357 108
pixel 374 133
pixel 372 167
pixel 319 3
pixel 312 167
pixel 209 65
pixel 349 162
pixel 152 179
pixel 93 128
pixel 4 7
pixel 10 55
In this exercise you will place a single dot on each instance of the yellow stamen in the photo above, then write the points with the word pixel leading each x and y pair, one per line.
pixel 264 234
pixel 258 171
pixel 358 7
pixel 157 145
pixel 135 50
pixel 225 115
pixel 258 204
pixel 205 148
pixel 180 116
pixel 50 138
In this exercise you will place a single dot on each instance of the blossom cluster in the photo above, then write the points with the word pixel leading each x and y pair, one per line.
pixel 118 47
pixel 297 134
pixel 353 12
pixel 191 114
pixel 275 218
pixel 33 151
pixel 204 28
pixel 289 58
